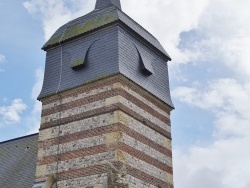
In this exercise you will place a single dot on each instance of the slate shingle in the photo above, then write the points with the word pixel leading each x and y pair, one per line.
pixel 113 41
pixel 18 162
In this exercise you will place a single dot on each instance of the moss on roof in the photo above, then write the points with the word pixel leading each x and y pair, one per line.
pixel 84 27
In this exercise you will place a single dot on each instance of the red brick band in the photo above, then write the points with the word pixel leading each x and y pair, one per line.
pixel 147 178
pixel 80 102
pixel 81 135
pixel 143 120
pixel 104 130
pixel 78 117
pixel 100 169
pixel 104 110
pixel 105 95
pixel 108 81
pixel 103 148
pixel 144 157
pixel 75 154
pixel 145 140
pixel 88 171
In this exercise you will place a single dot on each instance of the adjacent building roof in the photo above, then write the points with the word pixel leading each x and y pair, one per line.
pixel 18 162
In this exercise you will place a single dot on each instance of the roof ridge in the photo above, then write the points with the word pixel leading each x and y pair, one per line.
pixel 88 15
pixel 93 14
pixel 22 137
pixel 137 23
pixel 101 18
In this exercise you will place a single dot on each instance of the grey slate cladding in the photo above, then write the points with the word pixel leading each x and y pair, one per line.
pixel 18 162
pixel 158 82
pixel 101 60
pixel 121 47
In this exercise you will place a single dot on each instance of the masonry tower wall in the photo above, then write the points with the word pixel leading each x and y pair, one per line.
pixel 112 133
pixel 105 105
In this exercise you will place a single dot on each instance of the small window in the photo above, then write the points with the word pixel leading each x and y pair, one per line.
pixel 38 185
pixel 145 63
pixel 80 62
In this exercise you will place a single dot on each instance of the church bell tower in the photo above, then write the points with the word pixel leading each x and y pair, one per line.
pixel 105 105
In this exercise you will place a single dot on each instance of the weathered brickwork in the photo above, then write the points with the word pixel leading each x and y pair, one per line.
pixel 94 181
pixel 105 95
pixel 133 143
pixel 73 111
pixel 140 128
pixel 162 121
pixel 78 96
pixel 81 162
pixel 143 99
pixel 111 121
pixel 75 145
pixel 137 183
pixel 148 178
pixel 130 105
pixel 78 126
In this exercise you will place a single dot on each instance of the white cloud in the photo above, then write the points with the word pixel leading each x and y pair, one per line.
pixel 166 20
pixel 223 164
pixel 221 36
pixel 55 13
pixel 226 161
pixel 224 35
pixel 38 83
pixel 34 119
pixel 12 114
pixel 226 98
pixel 2 59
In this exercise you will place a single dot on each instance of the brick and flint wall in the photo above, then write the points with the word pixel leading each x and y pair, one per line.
pixel 110 121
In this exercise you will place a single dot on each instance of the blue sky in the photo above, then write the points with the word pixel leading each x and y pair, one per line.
pixel 208 41
pixel 20 42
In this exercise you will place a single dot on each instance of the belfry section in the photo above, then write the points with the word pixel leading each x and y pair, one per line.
pixel 105 105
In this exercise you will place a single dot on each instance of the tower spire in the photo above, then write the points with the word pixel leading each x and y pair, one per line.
pixel 100 4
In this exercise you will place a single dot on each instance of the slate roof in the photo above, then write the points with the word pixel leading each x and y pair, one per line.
pixel 18 162
pixel 103 43
pixel 97 19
